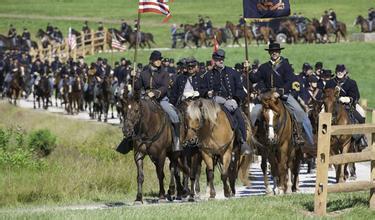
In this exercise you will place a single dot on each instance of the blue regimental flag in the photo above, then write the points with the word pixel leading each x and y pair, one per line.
pixel 266 8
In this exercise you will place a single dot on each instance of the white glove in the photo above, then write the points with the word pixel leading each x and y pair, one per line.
pixel 151 94
pixel 344 99
pixel 276 95
pixel 133 73
pixel 195 94
pixel 210 93
pixel 188 94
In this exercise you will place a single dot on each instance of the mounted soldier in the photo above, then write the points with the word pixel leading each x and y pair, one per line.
pixel 26 37
pixel 349 96
pixel 49 29
pixel 371 18
pixel 332 18
pixel 153 82
pixel 86 30
pixel 278 74
pixel 225 87
pixel 188 83
pixel 12 34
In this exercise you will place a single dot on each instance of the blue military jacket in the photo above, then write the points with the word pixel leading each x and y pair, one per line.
pixel 279 75
pixel 156 81
pixel 348 87
pixel 226 83
pixel 179 86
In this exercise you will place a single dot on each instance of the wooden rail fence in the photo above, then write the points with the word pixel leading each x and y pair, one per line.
pixel 325 131
pixel 90 44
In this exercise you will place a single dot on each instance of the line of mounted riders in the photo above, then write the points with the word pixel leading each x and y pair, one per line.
pixel 209 125
pixel 294 29
pixel 205 118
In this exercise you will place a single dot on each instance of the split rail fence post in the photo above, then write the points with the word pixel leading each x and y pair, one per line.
pixel 324 142
pixel 372 177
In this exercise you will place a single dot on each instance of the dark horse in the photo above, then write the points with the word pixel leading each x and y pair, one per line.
pixel 365 26
pixel 275 137
pixel 339 31
pixel 15 87
pixel 149 127
pixel 102 97
pixel 339 144
pixel 42 91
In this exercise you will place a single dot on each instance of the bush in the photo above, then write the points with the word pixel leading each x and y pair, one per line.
pixel 42 142
pixel 4 138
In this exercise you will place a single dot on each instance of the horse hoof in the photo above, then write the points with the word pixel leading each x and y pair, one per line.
pixel 138 203
pixel 191 199
pixel 353 177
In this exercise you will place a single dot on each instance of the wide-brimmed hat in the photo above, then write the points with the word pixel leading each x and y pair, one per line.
pixel 274 46
pixel 155 55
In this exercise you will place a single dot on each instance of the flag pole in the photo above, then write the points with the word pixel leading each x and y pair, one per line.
pixel 247 72
pixel 136 47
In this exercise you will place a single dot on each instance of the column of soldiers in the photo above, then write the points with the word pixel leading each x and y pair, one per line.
pixel 214 80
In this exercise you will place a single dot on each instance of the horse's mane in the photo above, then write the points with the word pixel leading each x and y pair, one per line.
pixel 204 109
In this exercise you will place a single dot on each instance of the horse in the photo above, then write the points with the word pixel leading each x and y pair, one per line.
pixel 321 32
pixel 208 125
pixel 150 129
pixel 102 97
pixel 45 38
pixel 339 31
pixel 310 33
pixel 365 26
pixel 238 32
pixel 262 33
pixel 339 144
pixel 291 27
pixel 15 87
pixel 88 92
pixel 75 95
pixel 42 91
pixel 274 135
pixel 198 36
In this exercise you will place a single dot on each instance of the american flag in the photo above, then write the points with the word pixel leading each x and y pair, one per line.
pixel 116 44
pixel 155 6
pixel 72 42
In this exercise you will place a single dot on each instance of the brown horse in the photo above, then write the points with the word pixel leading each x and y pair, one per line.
pixel 339 144
pixel 239 32
pixel 365 26
pixel 198 35
pixel 207 124
pixel 75 95
pixel 291 27
pixel 42 91
pixel 339 31
pixel 310 33
pixel 266 34
pixel 15 87
pixel 321 32
pixel 275 137
pixel 150 129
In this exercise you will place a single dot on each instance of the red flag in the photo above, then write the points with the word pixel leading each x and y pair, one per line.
pixel 216 44
pixel 155 6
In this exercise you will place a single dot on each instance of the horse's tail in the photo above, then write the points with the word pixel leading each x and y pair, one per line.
pixel 243 169
pixel 152 38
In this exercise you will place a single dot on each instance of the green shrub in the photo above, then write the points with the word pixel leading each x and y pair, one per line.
pixel 42 142
pixel 4 138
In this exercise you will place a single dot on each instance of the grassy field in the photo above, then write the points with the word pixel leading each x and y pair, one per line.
pixel 341 206
pixel 183 12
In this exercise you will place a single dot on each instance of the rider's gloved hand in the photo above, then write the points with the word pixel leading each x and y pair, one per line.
pixel 344 99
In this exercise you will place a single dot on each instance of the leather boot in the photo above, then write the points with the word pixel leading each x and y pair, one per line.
pixel 176 137
pixel 362 143
pixel 298 134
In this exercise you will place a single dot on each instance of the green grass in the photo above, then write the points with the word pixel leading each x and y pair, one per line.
pixel 342 206
pixel 357 57
pixel 183 12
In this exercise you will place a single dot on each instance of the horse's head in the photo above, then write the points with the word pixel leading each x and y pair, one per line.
pixel 133 115
pixel 358 20
pixel 40 33
pixel 271 112
pixel 193 119
pixel 330 96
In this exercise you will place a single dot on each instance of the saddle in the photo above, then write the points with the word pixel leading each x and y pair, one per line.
pixel 232 120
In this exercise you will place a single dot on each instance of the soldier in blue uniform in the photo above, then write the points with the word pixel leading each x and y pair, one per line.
pixel 277 73
pixel 188 84
pixel 371 18
pixel 154 81
pixel 349 96
pixel 224 86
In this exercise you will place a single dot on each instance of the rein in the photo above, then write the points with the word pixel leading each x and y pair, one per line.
pixel 149 140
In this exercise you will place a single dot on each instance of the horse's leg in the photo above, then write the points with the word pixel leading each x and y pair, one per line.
pixel 172 181
pixel 210 173
pixel 138 158
pixel 224 173
pixel 263 165
pixel 34 101
pixel 352 169
pixel 344 167
pixel 233 170
pixel 159 164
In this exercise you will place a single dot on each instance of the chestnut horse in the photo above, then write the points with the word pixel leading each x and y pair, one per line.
pixel 208 125
pixel 339 144
pixel 365 26
pixel 239 32
pixel 275 137
pixel 339 31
